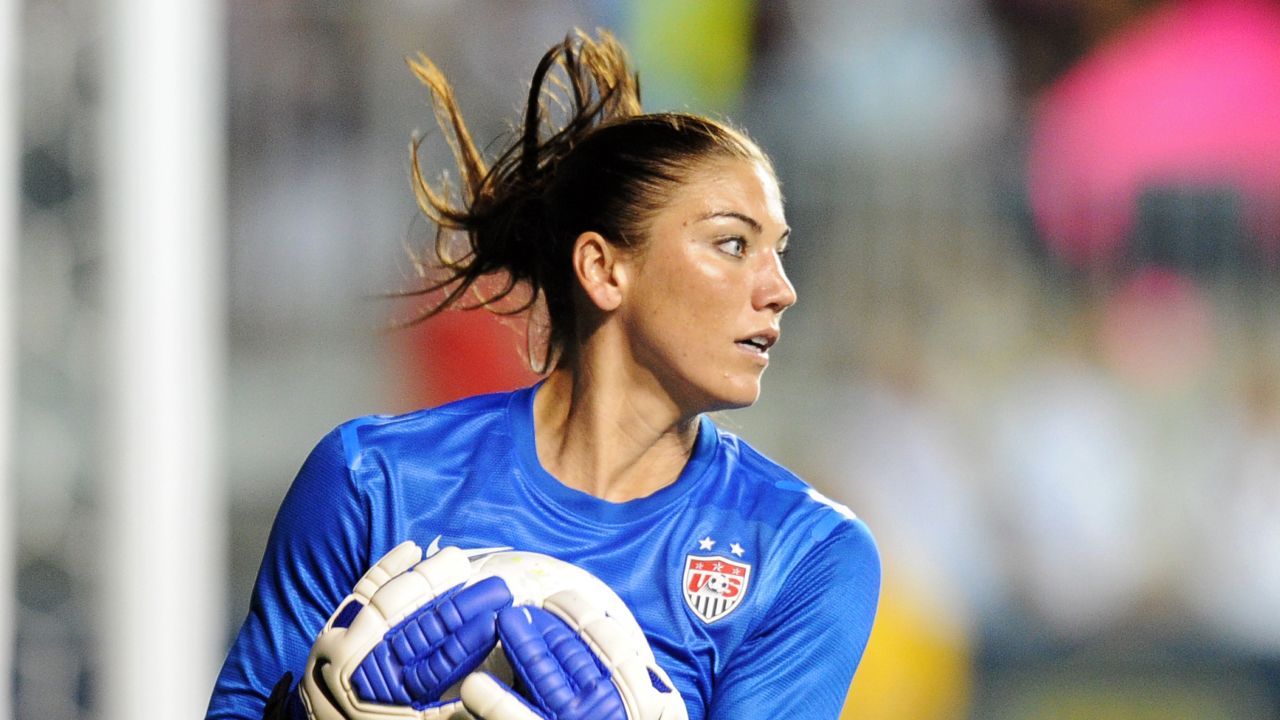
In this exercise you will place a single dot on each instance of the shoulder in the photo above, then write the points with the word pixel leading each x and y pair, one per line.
pixel 777 491
pixel 801 527
pixel 429 430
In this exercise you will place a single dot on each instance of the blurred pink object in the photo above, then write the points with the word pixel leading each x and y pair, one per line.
pixel 1189 96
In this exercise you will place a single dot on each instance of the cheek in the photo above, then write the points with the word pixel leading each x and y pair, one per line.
pixel 684 304
pixel 694 301
pixel 696 325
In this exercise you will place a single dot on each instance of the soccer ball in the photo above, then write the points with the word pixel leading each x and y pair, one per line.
pixel 532 578
pixel 338 686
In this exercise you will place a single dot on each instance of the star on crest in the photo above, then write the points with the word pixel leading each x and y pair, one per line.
pixel 736 549
pixel 706 543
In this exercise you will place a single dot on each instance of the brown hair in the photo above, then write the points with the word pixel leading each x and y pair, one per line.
pixel 606 168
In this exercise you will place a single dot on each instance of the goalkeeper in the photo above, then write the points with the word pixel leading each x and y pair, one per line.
pixel 654 244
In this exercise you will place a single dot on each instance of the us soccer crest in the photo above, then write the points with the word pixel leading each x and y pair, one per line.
pixel 714 586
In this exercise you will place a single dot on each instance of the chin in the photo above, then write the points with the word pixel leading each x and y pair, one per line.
pixel 697 395
pixel 733 396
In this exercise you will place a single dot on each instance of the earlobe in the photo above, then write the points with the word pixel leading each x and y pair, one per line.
pixel 595 263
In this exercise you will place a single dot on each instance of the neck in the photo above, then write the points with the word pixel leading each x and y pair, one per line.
pixel 605 434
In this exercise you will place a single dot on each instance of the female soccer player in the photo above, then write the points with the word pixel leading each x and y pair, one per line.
pixel 655 242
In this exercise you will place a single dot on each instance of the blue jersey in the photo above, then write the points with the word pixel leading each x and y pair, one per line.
pixel 757 594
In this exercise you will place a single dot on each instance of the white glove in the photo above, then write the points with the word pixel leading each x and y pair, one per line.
pixel 405 635
pixel 575 662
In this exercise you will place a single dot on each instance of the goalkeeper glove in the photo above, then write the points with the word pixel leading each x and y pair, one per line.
pixel 575 663
pixel 408 632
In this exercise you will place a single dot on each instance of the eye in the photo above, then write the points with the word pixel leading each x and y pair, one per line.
pixel 734 246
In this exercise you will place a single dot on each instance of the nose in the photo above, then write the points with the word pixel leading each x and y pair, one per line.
pixel 773 290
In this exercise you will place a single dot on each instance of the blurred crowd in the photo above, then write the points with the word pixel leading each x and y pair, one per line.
pixel 1037 248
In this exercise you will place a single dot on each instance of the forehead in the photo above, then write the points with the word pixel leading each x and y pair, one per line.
pixel 738 185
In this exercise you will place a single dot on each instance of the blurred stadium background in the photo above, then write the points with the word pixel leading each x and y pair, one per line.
pixel 1037 245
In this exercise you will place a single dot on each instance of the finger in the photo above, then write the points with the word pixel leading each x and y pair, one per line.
pixel 610 642
pixel 433 647
pixel 428 579
pixel 573 607
pixel 450 638
pixel 399 559
pixel 487 698
pixel 524 632
pixel 639 685
pixel 645 689
pixel 612 636
pixel 559 671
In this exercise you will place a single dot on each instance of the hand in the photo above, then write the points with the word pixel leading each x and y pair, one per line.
pixel 575 663
pixel 406 634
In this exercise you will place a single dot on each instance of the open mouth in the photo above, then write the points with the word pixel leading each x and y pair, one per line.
pixel 758 343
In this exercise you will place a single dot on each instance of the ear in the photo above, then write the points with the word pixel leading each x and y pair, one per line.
pixel 596 264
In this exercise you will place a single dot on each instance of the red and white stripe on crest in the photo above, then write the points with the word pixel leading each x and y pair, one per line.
pixel 714 586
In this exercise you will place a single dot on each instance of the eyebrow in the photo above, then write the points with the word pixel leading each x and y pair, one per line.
pixel 755 224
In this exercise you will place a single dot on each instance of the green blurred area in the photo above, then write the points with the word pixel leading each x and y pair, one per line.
pixel 691 55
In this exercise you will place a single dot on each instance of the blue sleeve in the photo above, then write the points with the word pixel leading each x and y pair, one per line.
pixel 315 554
pixel 800 660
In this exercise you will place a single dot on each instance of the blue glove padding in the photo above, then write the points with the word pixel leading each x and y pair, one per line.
pixel 557 670
pixel 433 648
pixel 572 660
pixel 409 630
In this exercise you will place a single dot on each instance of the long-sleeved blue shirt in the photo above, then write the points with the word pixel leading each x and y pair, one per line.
pixel 756 593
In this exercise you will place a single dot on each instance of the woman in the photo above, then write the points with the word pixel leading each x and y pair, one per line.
pixel 655 242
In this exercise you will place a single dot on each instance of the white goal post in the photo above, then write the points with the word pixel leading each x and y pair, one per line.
pixel 162 182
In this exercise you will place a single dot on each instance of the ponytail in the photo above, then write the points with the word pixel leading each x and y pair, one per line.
pixel 604 167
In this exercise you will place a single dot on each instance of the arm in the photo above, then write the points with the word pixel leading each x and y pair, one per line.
pixel 316 552
pixel 801 659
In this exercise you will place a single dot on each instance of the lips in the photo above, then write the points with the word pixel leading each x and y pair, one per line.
pixel 759 342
